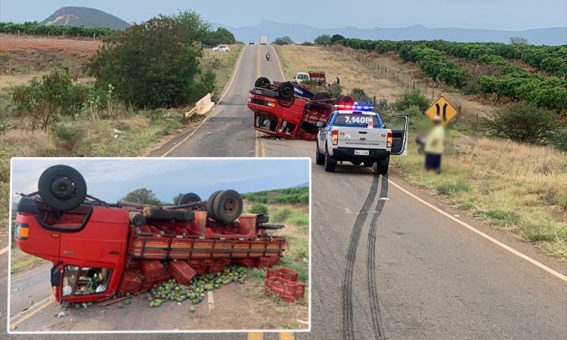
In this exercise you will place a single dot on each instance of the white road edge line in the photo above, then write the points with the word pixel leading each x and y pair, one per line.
pixel 3 250
pixel 480 233
pixel 206 118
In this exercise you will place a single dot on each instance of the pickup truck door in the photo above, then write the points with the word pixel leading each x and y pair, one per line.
pixel 399 127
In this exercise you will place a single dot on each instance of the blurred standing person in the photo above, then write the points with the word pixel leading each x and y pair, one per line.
pixel 434 146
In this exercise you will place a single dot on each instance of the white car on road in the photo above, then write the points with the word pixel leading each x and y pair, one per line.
pixel 221 48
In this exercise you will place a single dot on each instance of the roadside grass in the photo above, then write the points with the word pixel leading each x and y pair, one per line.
pixel 222 63
pixel 22 261
pixel 515 187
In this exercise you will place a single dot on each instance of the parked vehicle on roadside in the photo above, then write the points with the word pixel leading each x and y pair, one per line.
pixel 221 48
pixel 101 250
pixel 355 134
pixel 318 77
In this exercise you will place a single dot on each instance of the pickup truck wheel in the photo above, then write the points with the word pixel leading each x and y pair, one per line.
pixel 330 163
pixel 262 82
pixel 319 157
pixel 286 90
pixel 381 167
pixel 62 187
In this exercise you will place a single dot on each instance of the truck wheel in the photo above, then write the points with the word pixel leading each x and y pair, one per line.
pixel 210 204
pixel 286 90
pixel 188 198
pixel 228 206
pixel 381 167
pixel 62 187
pixel 319 157
pixel 330 163
pixel 262 82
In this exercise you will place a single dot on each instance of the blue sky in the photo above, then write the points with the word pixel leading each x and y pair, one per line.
pixel 490 14
pixel 111 179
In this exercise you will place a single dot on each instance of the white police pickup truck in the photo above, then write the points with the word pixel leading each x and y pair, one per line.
pixel 355 134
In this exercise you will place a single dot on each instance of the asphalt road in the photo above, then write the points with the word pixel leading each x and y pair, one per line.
pixel 384 265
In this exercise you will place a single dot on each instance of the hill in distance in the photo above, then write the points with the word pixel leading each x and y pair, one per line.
pixel 301 32
pixel 83 16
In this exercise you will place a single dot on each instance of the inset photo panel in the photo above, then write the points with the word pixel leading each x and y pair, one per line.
pixel 117 245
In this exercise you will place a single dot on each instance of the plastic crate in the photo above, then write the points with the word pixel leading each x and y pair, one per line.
pixel 289 291
pixel 284 273
pixel 131 282
pixel 181 272
pixel 151 269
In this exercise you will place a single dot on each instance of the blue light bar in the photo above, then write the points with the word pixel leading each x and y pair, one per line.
pixel 354 107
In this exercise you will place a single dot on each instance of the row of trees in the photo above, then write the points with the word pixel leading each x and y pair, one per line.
pixel 505 79
pixel 297 195
pixel 35 28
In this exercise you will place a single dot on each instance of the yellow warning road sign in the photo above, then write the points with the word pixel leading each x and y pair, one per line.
pixel 442 108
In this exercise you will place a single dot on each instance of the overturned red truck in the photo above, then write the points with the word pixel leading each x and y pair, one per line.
pixel 101 250
pixel 290 110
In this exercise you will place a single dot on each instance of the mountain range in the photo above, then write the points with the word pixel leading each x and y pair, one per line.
pixel 303 32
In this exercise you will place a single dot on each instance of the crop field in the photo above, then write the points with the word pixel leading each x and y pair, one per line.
pixel 513 186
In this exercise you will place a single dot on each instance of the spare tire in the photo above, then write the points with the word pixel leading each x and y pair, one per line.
pixel 188 198
pixel 262 82
pixel 227 206
pixel 62 187
pixel 286 90
pixel 210 204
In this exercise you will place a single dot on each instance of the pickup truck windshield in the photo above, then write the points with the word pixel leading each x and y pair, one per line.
pixel 357 120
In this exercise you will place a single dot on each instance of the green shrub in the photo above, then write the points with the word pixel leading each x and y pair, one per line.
pixel 335 90
pixel 258 209
pixel 281 215
pixel 360 96
pixel 299 219
pixel 68 136
pixel 559 139
pixel 410 99
pixel 523 122
pixel 155 63
pixel 508 218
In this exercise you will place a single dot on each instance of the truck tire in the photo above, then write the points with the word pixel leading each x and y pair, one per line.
pixel 228 206
pixel 286 90
pixel 381 166
pixel 262 82
pixel 188 198
pixel 330 163
pixel 210 204
pixel 62 187
pixel 319 157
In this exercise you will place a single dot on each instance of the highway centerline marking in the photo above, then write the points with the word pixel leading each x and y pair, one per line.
pixel 488 237
pixel 211 115
pixel 16 320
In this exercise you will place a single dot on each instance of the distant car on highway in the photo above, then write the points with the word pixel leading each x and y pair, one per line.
pixel 251 43
pixel 317 77
pixel 221 48
pixel 355 134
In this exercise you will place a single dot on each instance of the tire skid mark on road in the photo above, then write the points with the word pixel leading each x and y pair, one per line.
pixel 371 263
pixel 346 287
